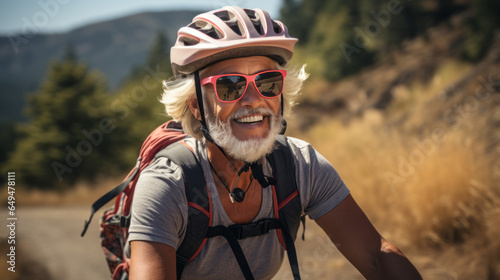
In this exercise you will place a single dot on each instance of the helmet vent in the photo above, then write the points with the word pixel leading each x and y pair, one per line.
pixel 231 20
pixel 207 28
pixel 256 20
pixel 188 41
pixel 277 28
pixel 223 15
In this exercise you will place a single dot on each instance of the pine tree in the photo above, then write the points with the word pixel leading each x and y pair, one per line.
pixel 481 29
pixel 339 38
pixel 136 104
pixel 65 138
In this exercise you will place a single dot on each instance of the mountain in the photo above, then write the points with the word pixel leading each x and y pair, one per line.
pixel 113 47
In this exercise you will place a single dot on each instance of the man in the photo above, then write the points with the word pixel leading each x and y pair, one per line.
pixel 232 95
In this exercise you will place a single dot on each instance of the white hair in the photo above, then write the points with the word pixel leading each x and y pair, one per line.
pixel 178 91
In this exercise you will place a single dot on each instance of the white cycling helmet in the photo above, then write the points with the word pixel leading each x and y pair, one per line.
pixel 230 32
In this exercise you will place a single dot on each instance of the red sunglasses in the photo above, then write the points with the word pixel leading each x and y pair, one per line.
pixel 231 87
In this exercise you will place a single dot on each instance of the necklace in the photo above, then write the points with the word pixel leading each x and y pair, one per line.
pixel 234 193
pixel 237 193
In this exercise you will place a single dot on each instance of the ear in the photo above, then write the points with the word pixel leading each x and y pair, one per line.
pixel 193 107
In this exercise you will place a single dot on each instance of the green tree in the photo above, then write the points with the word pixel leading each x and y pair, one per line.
pixel 136 104
pixel 300 16
pixel 65 139
pixel 7 139
pixel 339 38
pixel 481 29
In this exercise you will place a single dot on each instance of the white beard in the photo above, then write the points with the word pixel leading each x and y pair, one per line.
pixel 249 150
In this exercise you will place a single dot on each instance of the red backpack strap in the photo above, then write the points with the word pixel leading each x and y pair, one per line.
pixel 287 206
pixel 287 202
pixel 161 137
pixel 199 203
pixel 164 135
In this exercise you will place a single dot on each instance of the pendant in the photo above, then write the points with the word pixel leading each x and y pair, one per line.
pixel 237 194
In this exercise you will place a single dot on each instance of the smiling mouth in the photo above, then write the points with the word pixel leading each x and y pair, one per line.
pixel 253 119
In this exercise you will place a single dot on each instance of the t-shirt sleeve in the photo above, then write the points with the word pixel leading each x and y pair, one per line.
pixel 320 187
pixel 159 207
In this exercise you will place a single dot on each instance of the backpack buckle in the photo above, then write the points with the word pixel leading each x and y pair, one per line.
pixel 253 229
pixel 125 221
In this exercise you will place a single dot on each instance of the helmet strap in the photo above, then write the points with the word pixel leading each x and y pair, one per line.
pixel 258 173
pixel 283 122
pixel 199 97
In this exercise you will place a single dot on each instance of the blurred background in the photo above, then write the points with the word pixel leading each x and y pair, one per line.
pixel 403 99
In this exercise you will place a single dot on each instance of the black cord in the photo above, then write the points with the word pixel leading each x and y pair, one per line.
pixel 213 169
pixel 235 193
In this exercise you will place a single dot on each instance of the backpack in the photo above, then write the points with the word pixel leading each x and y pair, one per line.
pixel 167 141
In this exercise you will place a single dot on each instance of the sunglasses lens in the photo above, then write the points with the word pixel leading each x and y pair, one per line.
pixel 230 88
pixel 270 84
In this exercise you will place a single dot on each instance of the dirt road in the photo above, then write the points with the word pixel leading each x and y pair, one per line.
pixel 51 237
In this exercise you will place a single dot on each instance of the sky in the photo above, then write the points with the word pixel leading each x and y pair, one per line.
pixel 51 16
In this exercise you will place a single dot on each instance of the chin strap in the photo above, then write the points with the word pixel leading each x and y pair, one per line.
pixel 199 98
pixel 258 174
pixel 207 135
pixel 283 122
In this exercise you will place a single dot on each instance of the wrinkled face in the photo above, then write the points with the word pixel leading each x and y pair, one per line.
pixel 245 129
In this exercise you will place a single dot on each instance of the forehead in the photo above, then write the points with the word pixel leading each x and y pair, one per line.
pixel 242 65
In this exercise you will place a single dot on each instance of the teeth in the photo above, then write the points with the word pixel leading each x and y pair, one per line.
pixel 250 119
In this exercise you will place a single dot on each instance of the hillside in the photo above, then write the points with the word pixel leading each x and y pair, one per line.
pixel 384 84
pixel 420 85
pixel 112 47
pixel 416 139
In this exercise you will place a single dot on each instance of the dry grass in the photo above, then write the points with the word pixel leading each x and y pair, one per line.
pixel 434 191
pixel 438 197
pixel 407 96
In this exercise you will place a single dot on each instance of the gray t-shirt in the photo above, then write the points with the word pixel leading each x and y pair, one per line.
pixel 159 212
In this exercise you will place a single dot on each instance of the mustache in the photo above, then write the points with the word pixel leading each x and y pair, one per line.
pixel 241 112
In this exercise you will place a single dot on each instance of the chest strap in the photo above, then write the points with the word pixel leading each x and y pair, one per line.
pixel 235 232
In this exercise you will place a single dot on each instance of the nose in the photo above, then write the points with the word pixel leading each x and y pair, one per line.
pixel 251 98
